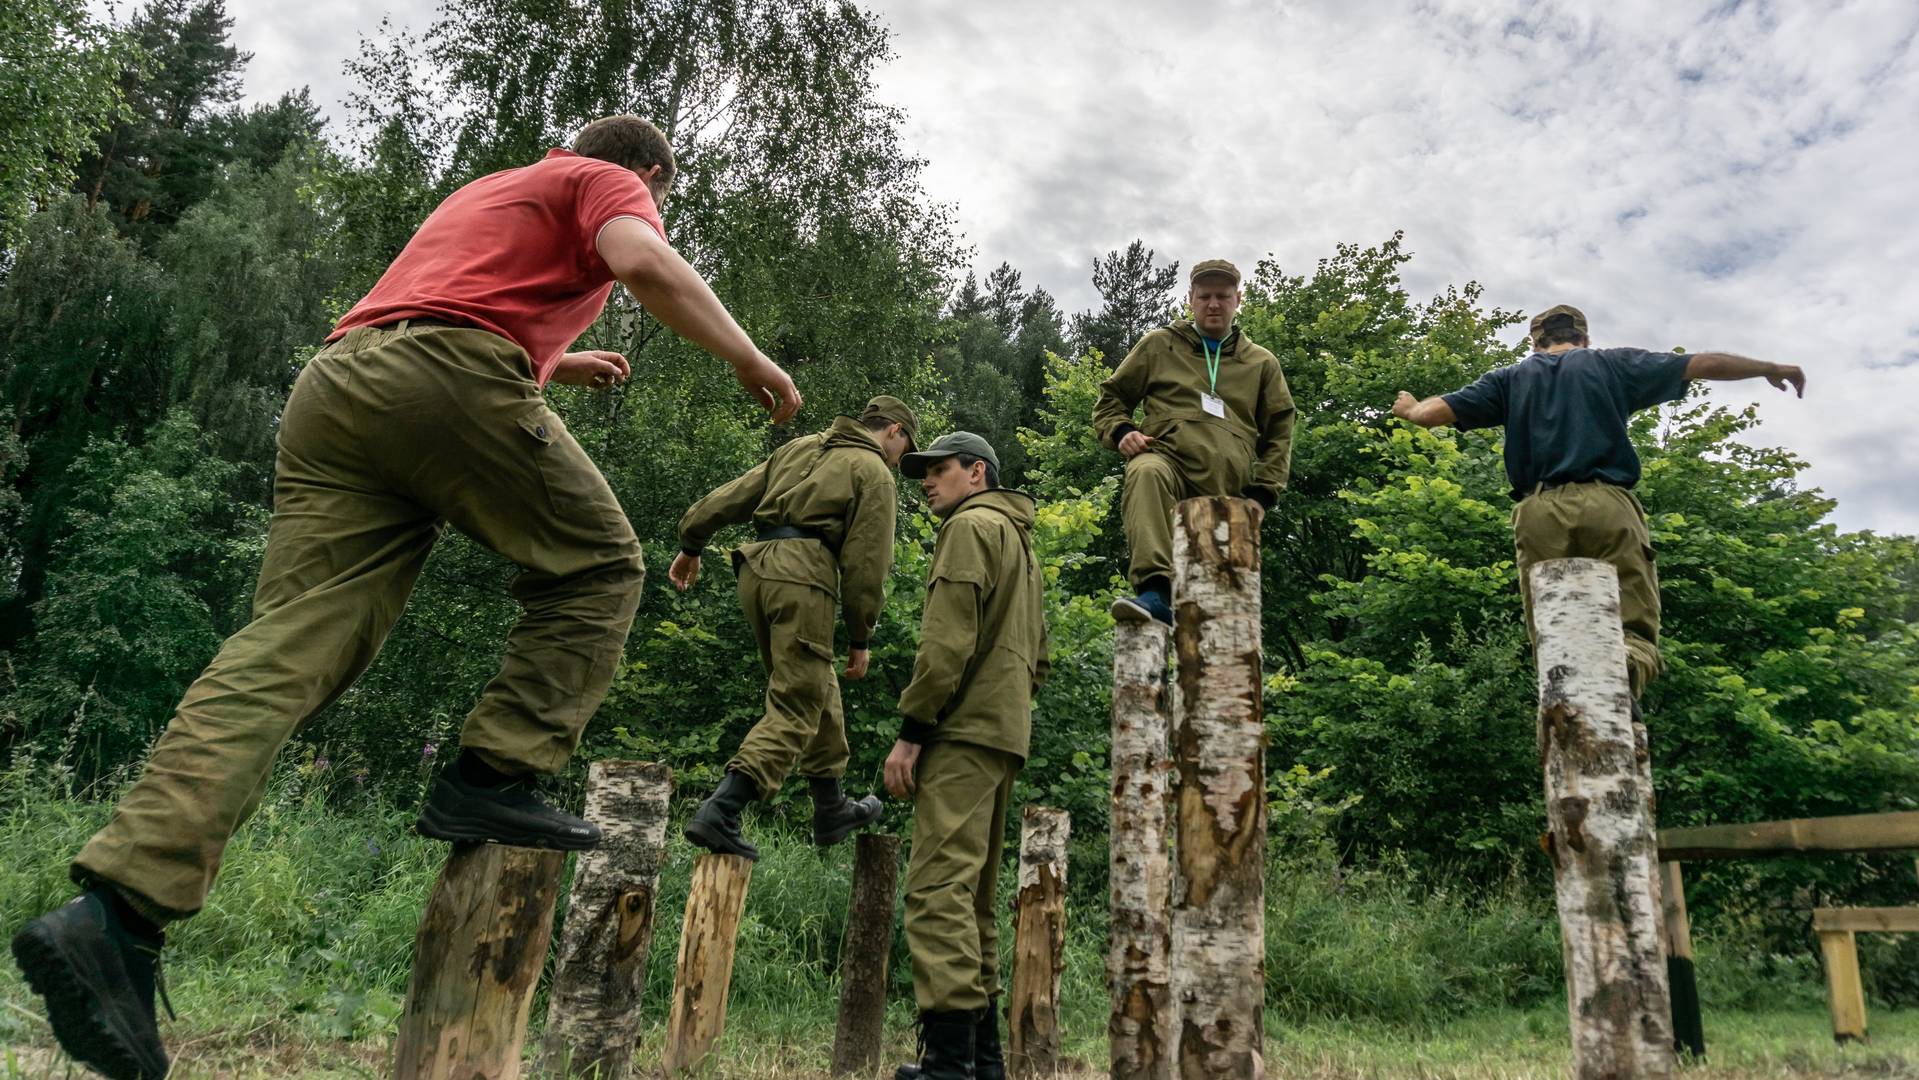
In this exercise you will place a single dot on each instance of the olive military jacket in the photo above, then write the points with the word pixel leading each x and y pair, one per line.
pixel 1246 452
pixel 983 634
pixel 836 483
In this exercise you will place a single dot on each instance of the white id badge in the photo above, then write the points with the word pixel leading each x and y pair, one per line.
pixel 1213 405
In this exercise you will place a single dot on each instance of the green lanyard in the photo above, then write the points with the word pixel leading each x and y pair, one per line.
pixel 1212 363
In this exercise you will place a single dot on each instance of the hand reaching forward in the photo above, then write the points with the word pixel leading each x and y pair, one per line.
pixel 684 571
pixel 597 368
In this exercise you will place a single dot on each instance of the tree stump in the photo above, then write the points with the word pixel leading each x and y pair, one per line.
pixel 864 952
pixel 1600 831
pixel 481 944
pixel 1219 948
pixel 1039 942
pixel 594 1013
pixel 712 926
pixel 1141 1030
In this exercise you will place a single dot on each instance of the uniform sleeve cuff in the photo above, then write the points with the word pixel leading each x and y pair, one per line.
pixel 1120 433
pixel 1263 496
pixel 852 645
pixel 692 553
pixel 915 732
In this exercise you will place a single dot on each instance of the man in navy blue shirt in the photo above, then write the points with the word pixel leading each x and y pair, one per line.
pixel 1570 460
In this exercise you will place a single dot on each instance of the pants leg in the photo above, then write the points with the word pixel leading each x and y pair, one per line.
pixel 1152 488
pixel 1597 521
pixel 802 723
pixel 342 554
pixel 959 824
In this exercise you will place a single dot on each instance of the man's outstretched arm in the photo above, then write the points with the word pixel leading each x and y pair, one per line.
pixel 1728 367
pixel 1429 413
pixel 674 293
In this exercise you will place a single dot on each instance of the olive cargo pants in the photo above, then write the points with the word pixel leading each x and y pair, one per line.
pixel 1153 487
pixel 1596 521
pixel 959 838
pixel 390 433
pixel 793 624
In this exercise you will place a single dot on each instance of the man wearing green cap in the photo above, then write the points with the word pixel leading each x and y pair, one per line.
pixel 1571 461
pixel 823 510
pixel 967 721
pixel 1219 421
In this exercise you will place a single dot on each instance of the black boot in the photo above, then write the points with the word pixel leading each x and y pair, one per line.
pixel 836 817
pixel 472 803
pixel 988 1062
pixel 715 826
pixel 946 1047
pixel 97 974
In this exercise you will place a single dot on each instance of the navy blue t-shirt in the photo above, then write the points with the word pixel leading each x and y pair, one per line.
pixel 1565 416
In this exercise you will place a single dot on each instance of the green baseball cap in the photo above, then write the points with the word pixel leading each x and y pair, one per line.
pixel 1554 313
pixel 1213 266
pixel 894 411
pixel 914 466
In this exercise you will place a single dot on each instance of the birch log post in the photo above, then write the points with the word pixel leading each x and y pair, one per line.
pixel 863 954
pixel 1141 1029
pixel 1600 831
pixel 482 941
pixel 594 1016
pixel 1039 942
pixel 1219 968
pixel 714 904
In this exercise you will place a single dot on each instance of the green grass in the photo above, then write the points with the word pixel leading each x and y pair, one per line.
pixel 298 966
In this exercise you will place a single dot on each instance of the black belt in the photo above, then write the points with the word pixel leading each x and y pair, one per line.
pixel 426 320
pixel 790 532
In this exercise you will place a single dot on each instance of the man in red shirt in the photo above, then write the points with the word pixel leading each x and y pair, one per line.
pixel 423 410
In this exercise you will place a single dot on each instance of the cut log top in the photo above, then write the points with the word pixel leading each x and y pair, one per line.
pixel 1043 834
pixel 1762 839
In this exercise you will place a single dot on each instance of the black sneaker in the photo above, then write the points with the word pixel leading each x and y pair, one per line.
pixel 509 814
pixel 98 977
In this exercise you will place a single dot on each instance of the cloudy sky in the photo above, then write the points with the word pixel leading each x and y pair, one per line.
pixel 1734 176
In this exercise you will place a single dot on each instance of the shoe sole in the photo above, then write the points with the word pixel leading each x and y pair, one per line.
pixel 700 834
pixel 1129 612
pixel 73 1008
pixel 434 827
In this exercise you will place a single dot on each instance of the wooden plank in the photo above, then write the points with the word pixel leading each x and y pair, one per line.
pixel 1139 976
pixel 864 951
pixel 1878 920
pixel 1688 1020
pixel 477 958
pixel 1844 992
pixel 1799 836
pixel 714 905
pixel 1039 943
pixel 1599 817
pixel 593 1018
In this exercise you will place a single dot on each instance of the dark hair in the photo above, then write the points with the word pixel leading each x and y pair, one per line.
pixel 966 462
pixel 626 141
pixel 878 423
pixel 1559 330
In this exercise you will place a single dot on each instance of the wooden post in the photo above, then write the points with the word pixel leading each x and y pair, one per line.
pixel 1039 942
pixel 713 908
pixel 1141 1030
pixel 863 954
pixel 481 945
pixel 1600 826
pixel 594 1015
pixel 1219 949
pixel 1844 993
pixel 1688 1024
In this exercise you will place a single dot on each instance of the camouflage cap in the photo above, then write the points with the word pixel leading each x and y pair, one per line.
pixel 893 410
pixel 1554 313
pixel 914 466
pixel 1213 266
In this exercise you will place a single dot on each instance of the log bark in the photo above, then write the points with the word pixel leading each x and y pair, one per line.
pixel 864 951
pixel 1688 1021
pixel 1600 831
pixel 1141 1030
pixel 707 937
pixel 1844 992
pixel 1219 969
pixel 594 1016
pixel 1039 942
pixel 482 942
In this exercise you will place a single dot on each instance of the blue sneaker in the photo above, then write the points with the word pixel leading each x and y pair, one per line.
pixel 1149 604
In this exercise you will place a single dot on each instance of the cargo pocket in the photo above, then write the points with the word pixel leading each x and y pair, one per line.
pixel 576 493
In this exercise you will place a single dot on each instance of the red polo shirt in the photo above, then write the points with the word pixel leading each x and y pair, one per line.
pixel 515 254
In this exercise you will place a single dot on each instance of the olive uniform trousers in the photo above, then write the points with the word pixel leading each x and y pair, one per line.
pixel 390 433
pixel 803 724
pixel 959 839
pixel 1596 521
pixel 1154 485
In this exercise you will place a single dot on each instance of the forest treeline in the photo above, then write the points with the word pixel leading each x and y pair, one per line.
pixel 171 258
